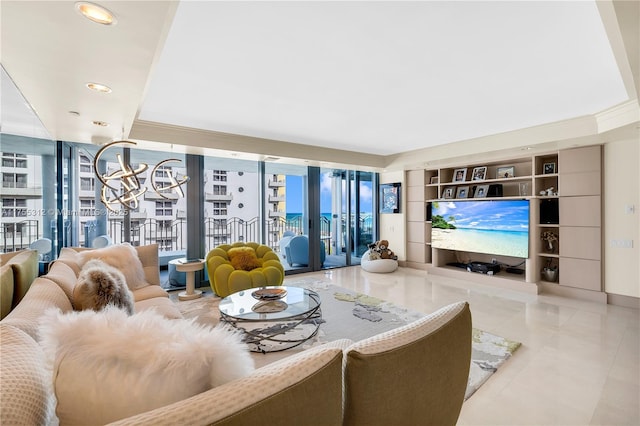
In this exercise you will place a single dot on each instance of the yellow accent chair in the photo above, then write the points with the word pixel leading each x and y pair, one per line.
pixel 239 266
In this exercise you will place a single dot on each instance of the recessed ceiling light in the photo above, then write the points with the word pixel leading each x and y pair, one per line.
pixel 98 87
pixel 95 13
pixel 100 123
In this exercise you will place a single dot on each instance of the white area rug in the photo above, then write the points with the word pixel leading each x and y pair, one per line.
pixel 350 315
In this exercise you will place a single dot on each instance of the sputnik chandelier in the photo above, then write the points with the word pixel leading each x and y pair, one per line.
pixel 122 187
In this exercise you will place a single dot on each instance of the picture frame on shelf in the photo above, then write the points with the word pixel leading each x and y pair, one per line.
pixel 449 192
pixel 463 192
pixel 390 197
pixel 481 191
pixel 549 168
pixel 505 172
pixel 460 175
pixel 434 180
pixel 479 173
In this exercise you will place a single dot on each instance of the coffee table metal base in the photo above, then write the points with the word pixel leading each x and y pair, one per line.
pixel 263 335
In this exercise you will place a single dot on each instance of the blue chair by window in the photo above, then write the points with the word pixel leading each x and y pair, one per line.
pixel 297 251
pixel 101 241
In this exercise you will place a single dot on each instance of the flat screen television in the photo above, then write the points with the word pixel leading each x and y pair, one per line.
pixel 498 227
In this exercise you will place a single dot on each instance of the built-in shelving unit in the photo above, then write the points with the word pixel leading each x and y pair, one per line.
pixel 564 189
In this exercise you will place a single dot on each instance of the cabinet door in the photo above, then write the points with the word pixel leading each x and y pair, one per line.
pixel 586 183
pixel 580 211
pixel 415 232
pixel 415 193
pixel 415 178
pixel 416 252
pixel 587 159
pixel 416 211
pixel 580 273
pixel 580 242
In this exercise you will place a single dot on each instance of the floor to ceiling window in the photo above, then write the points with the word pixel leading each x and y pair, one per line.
pixel 231 201
pixel 287 213
pixel 347 200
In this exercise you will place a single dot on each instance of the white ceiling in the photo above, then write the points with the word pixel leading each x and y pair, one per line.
pixel 374 77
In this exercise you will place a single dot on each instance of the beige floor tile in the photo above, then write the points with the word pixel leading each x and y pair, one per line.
pixel 578 364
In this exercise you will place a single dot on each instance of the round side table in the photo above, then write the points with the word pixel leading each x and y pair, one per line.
pixel 190 268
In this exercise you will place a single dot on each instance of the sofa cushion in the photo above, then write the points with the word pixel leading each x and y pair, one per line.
pixel 162 305
pixel 149 292
pixel 108 365
pixel 6 287
pixel 244 258
pixel 42 295
pixel 122 256
pixel 149 258
pixel 25 397
pixel 25 270
pixel 304 388
pixel 63 275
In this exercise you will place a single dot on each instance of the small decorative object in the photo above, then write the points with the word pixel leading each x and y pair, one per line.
pixel 543 193
pixel 449 192
pixel 434 180
pixel 390 198
pixel 505 172
pixel 523 188
pixel 380 250
pixel 459 175
pixel 269 306
pixel 269 293
pixel 550 272
pixel 479 173
pixel 550 239
pixel 549 168
pixel 550 192
pixel 463 192
pixel 481 191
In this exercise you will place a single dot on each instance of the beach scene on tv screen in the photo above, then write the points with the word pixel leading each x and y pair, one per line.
pixel 491 227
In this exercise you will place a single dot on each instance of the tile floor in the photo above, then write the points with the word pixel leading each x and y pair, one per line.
pixel 578 364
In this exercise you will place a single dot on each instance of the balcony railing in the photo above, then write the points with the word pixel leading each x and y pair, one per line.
pixel 170 235
pixel 19 235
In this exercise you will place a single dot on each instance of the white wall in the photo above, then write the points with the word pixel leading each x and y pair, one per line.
pixel 621 191
pixel 392 226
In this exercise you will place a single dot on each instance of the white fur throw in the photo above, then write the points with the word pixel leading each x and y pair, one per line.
pixel 108 365
pixel 121 256
pixel 99 285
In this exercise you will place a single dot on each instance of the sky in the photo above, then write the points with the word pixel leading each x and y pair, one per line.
pixel 294 193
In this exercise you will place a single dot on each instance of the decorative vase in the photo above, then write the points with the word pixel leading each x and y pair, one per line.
pixel 550 246
pixel 550 274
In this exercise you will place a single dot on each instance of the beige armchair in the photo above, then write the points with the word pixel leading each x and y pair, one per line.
pixel 413 375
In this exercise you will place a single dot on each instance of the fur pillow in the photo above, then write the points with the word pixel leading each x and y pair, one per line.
pixel 108 365
pixel 121 256
pixel 99 285
pixel 243 258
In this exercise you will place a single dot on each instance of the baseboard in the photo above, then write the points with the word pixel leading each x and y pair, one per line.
pixel 624 301
pixel 574 293
pixel 414 265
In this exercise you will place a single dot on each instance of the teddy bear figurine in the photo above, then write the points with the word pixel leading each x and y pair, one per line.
pixel 385 252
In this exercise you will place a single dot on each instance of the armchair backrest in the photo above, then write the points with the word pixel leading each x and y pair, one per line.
pixel 423 366
pixel 297 251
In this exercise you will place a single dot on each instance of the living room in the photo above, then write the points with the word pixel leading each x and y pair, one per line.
pixel 44 80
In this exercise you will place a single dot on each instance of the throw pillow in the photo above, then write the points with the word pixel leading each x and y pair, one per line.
pixel 121 256
pixel 108 365
pixel 99 285
pixel 244 258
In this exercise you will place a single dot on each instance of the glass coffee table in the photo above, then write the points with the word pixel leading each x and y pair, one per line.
pixel 273 318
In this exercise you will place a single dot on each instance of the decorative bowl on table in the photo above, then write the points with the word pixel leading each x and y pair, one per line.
pixel 269 293
pixel 269 306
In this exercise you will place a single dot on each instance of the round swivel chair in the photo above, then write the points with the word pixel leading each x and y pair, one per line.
pixel 236 267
